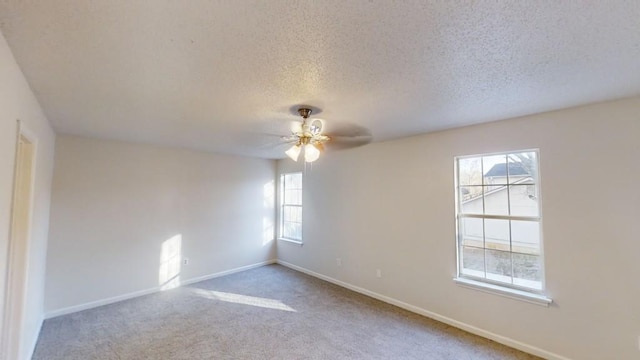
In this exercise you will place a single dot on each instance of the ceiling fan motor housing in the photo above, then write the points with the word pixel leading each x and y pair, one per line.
pixel 304 112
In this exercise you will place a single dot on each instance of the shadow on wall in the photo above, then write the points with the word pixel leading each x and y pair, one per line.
pixel 170 263
pixel 268 228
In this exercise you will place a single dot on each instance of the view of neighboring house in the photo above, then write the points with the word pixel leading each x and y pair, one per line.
pixel 507 189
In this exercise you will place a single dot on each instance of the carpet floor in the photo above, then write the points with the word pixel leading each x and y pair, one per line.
pixel 270 312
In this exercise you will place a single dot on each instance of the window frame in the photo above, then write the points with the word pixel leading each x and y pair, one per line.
pixel 483 283
pixel 282 206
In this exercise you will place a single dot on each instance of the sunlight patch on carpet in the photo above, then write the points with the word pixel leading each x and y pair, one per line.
pixel 243 299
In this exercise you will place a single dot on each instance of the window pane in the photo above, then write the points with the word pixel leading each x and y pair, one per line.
pixel 495 169
pixel 291 210
pixel 524 200
pixel 525 236
pixel 496 234
pixel 469 193
pixel 471 201
pixel 297 181
pixel 292 230
pixel 469 171
pixel 522 168
pixel 287 230
pixel 498 265
pixel 471 232
pixel 292 214
pixel 296 214
pixel 293 197
pixel 298 231
pixel 288 181
pixel 527 271
pixel 472 261
pixel 496 200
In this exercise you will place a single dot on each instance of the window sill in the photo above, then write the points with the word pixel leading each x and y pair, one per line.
pixel 297 242
pixel 503 291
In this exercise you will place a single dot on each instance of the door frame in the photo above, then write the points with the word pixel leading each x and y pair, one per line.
pixel 17 272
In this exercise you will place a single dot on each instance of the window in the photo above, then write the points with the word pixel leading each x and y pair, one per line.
pixel 291 207
pixel 498 220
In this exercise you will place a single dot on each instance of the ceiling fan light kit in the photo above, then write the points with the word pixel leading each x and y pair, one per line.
pixel 294 152
pixel 311 153
pixel 309 138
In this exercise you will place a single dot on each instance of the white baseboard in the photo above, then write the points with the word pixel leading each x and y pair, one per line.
pixel 94 304
pixel 227 272
pixel 455 323
pixel 114 299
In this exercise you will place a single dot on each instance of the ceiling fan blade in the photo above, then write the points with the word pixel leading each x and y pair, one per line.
pixel 289 138
pixel 347 136
pixel 345 129
pixel 266 141
pixel 347 142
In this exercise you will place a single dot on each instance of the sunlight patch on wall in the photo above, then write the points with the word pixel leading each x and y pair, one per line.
pixel 243 299
pixel 267 232
pixel 170 263
pixel 268 228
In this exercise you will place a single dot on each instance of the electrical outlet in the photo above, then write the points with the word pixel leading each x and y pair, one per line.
pixel 185 261
pixel 379 273
pixel 339 262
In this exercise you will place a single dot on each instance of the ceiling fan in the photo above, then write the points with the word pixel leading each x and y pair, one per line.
pixel 309 137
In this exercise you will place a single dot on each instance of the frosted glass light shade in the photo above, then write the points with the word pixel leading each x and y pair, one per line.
pixel 294 152
pixel 311 153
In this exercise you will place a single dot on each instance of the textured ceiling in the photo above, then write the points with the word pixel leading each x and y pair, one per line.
pixel 215 75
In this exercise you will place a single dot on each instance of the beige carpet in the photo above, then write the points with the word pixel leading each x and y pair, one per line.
pixel 266 313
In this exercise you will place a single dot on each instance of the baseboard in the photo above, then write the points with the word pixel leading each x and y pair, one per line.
pixel 227 272
pixel 135 294
pixel 455 323
pixel 97 303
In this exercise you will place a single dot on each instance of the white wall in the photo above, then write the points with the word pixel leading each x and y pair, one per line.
pixel 390 206
pixel 115 204
pixel 17 101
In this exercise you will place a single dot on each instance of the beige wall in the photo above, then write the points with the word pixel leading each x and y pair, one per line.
pixel 18 102
pixel 115 204
pixel 390 206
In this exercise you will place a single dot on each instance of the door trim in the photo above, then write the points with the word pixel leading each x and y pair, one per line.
pixel 17 272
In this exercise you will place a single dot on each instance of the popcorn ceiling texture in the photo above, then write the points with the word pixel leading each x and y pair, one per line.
pixel 314 320
pixel 215 75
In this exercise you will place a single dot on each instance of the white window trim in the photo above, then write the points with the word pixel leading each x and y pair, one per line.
pixel 507 292
pixel 533 296
pixel 281 210
pixel 297 242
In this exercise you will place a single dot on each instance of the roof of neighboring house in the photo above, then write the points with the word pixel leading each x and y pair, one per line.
pixel 495 190
pixel 501 170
